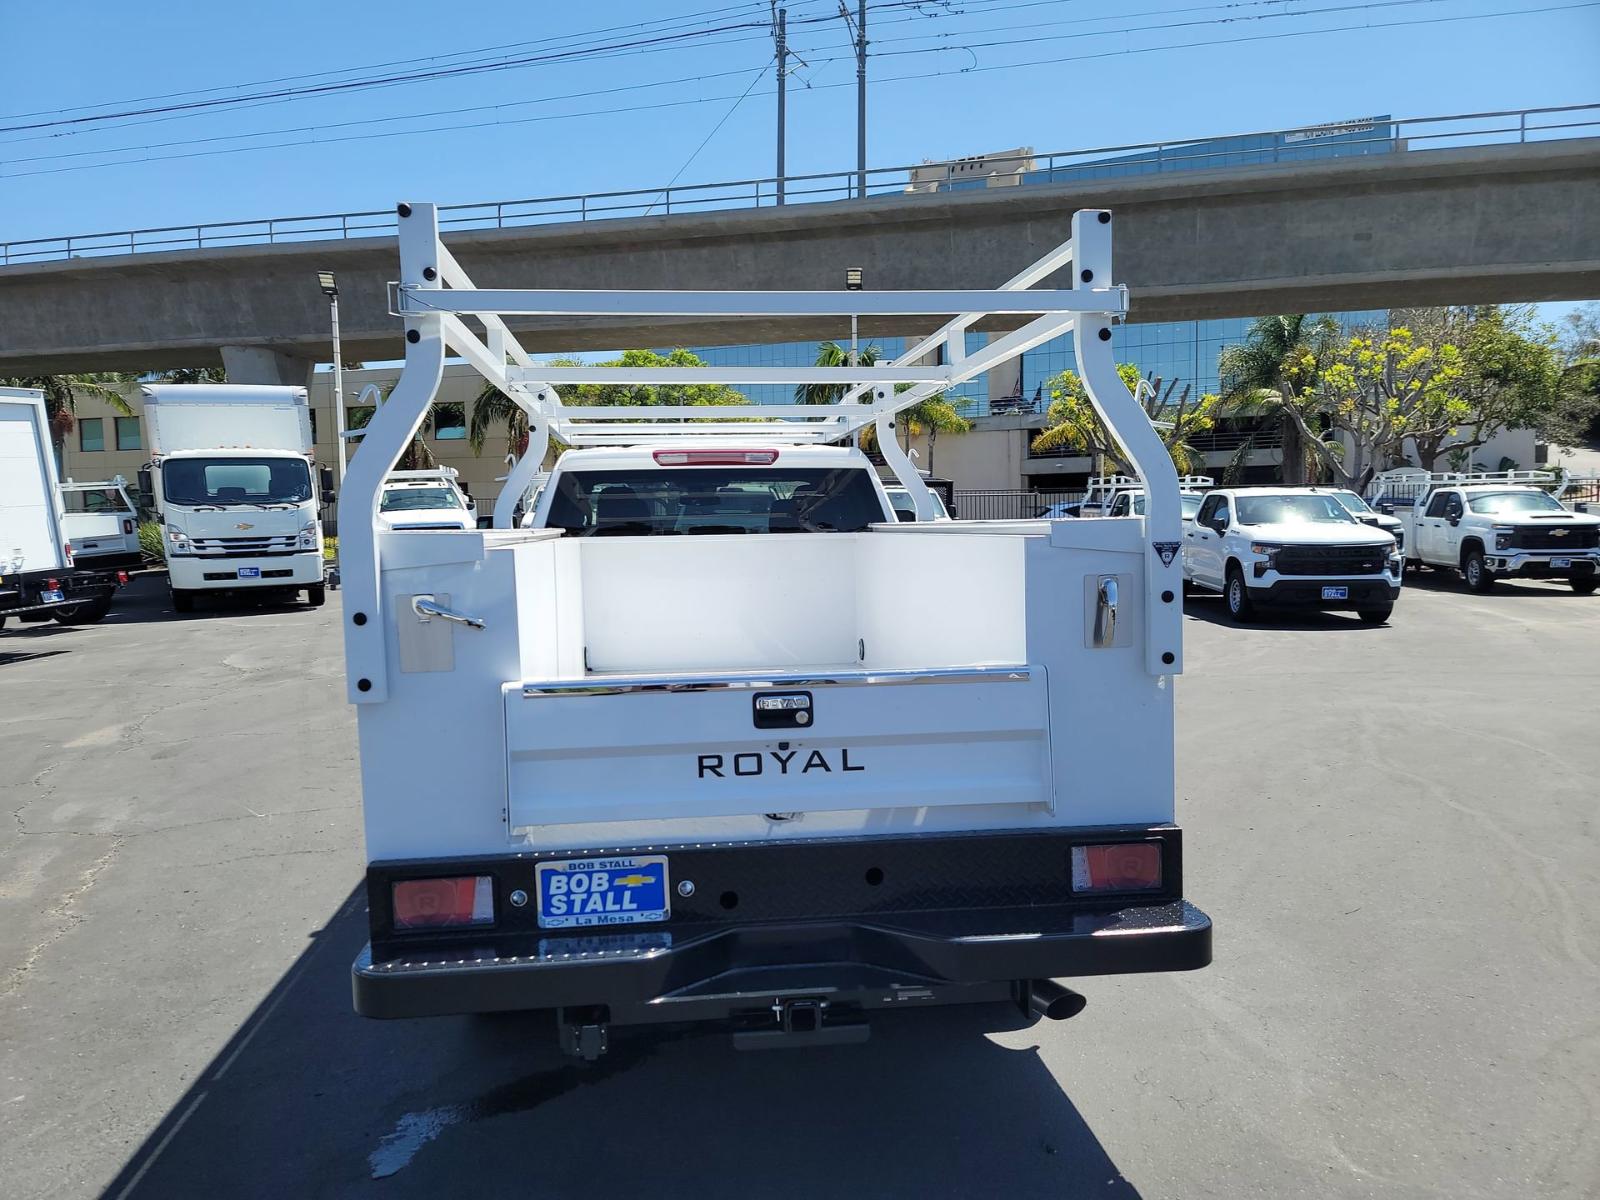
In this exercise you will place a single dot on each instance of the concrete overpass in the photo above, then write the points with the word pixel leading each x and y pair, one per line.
pixel 1483 225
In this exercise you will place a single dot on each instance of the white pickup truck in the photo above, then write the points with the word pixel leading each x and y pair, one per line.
pixel 1284 547
pixel 102 523
pixel 429 499
pixel 1493 526
pixel 714 755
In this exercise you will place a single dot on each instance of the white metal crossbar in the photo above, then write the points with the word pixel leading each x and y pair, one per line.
pixel 440 307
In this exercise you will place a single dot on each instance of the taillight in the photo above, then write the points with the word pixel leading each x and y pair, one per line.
pixel 715 458
pixel 1126 867
pixel 52 585
pixel 442 903
pixel 122 578
pixel 67 546
pixel 127 525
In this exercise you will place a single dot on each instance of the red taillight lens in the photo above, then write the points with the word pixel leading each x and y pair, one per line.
pixel 1129 867
pixel 127 525
pixel 52 585
pixel 441 903
pixel 122 577
pixel 715 458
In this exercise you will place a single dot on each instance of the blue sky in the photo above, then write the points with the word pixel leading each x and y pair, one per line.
pixel 1118 85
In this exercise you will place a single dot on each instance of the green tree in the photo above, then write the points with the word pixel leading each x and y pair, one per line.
pixel 1073 423
pixel 1271 378
pixel 832 354
pixel 492 409
pixel 61 396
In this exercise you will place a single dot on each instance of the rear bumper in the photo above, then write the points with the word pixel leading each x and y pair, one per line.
pixel 24 593
pixel 951 935
pixel 1364 592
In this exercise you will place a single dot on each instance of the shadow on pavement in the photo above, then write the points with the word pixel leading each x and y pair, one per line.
pixel 1210 608
pixel 146 599
pixel 1450 581
pixel 309 1100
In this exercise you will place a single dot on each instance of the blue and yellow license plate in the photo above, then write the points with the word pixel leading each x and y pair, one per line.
pixel 625 890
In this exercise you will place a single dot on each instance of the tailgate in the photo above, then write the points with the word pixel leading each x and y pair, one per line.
pixel 655 749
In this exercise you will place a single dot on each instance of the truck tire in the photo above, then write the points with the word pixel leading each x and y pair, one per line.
pixel 1237 595
pixel 182 602
pixel 1585 586
pixel 1375 616
pixel 317 595
pixel 86 613
pixel 1476 572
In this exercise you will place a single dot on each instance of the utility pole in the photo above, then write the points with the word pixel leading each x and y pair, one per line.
pixel 861 98
pixel 780 33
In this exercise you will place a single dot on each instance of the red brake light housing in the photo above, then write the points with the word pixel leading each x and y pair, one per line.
pixel 454 902
pixel 1118 867
pixel 715 458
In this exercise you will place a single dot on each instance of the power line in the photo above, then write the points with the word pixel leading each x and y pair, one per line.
pixel 714 130
pixel 1583 4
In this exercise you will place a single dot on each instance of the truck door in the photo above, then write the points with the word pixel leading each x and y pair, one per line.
pixel 1433 531
pixel 1202 544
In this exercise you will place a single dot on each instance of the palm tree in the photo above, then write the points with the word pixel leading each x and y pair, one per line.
pixel 61 393
pixel 832 354
pixel 932 415
pixel 1272 377
pixel 492 409
pixel 1075 425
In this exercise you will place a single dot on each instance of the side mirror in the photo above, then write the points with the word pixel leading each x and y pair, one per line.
pixel 1454 520
pixel 1386 508
pixel 325 480
pixel 147 491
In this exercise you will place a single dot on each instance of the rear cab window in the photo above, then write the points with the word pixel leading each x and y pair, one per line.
pixel 653 502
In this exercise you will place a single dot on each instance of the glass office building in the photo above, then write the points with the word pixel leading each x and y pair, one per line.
pixel 1185 351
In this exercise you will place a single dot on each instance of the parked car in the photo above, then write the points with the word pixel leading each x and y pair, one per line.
pixel 1290 547
pixel 425 500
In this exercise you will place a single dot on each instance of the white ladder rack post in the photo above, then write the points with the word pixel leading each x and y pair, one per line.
pixel 435 299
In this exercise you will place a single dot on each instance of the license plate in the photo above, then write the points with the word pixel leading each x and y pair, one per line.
pixel 51 597
pixel 1336 593
pixel 249 572
pixel 580 892
pixel 1561 562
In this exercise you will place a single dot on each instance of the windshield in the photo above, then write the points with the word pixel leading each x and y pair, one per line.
pixel 412 498
pixel 644 502
pixel 1292 510
pixel 1352 503
pixel 94 500
pixel 1509 503
pixel 227 482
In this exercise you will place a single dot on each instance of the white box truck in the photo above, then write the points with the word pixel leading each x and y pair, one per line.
pixel 725 741
pixel 39 580
pixel 234 491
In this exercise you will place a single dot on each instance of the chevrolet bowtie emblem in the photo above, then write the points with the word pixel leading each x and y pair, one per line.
pixel 1558 533
pixel 244 525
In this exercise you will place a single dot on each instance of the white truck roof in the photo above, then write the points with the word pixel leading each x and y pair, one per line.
pixel 684 453
pixel 182 417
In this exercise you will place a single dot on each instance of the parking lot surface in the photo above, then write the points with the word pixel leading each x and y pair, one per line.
pixel 1396 831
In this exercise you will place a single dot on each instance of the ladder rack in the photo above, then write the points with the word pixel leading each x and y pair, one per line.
pixel 443 311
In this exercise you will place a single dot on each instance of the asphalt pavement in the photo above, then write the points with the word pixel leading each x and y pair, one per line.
pixel 1396 831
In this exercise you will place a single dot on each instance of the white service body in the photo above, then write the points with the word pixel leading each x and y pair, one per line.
pixel 101 522
pixel 234 488
pixel 31 537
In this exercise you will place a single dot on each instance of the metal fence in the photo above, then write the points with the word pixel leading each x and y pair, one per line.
pixel 1406 134
pixel 1010 504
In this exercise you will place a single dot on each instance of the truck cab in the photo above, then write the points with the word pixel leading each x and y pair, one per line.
pixel 236 491
pixel 426 500
pixel 1290 548
pixel 1489 530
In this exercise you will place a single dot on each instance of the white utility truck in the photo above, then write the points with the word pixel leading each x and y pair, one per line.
pixel 1493 525
pixel 1289 547
pixel 39 578
pixel 234 490
pixel 725 741
pixel 426 500
pixel 102 523
pixel 1101 499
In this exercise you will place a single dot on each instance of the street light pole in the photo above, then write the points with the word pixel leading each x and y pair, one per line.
pixel 852 283
pixel 330 289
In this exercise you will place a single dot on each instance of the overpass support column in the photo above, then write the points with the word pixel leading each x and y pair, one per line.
pixel 263 364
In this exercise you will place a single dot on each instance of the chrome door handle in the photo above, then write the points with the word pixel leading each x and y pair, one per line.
pixel 1105 612
pixel 427 608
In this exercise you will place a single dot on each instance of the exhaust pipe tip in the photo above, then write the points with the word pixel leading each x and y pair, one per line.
pixel 1054 1002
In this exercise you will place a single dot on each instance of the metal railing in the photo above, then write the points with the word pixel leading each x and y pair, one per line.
pixel 1310 142
pixel 1010 504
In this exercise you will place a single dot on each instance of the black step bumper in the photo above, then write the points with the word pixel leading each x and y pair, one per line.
pixel 1369 592
pixel 950 918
